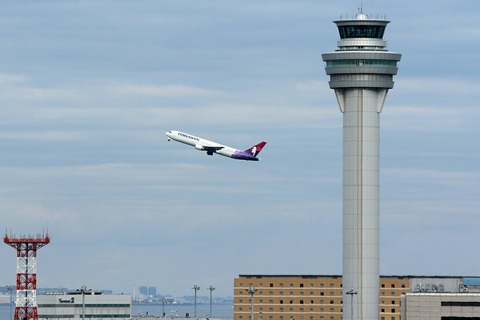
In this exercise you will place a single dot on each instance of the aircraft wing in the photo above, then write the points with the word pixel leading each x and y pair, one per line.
pixel 212 148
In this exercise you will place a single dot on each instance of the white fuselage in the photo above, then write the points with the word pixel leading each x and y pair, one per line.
pixel 200 143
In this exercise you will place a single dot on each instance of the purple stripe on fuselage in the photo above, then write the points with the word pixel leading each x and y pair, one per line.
pixel 242 155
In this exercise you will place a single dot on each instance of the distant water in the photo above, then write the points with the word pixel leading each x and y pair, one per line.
pixel 171 310
pixel 5 311
pixel 181 310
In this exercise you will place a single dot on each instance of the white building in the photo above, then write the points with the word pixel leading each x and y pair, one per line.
pixel 93 305
pixel 440 306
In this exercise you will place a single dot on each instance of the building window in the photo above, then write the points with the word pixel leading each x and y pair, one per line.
pixel 281 301
pixel 280 309
pixel 393 285
pixel 301 285
pixel 301 301
pixel 281 293
pixel 271 285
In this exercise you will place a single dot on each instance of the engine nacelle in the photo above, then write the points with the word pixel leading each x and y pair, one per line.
pixel 199 147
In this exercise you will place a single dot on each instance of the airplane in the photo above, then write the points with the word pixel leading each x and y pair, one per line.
pixel 212 147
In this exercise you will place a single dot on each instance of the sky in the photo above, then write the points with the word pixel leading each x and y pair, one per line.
pixel 89 88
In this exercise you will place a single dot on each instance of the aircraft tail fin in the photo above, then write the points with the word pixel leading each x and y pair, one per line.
pixel 256 148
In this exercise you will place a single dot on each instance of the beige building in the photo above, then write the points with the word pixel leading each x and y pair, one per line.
pixel 319 297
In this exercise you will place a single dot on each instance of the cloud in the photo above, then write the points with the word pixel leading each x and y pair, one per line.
pixel 9 79
pixel 169 90
pixel 42 135
pixel 439 86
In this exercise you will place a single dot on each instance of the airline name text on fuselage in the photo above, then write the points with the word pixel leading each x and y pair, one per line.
pixel 188 136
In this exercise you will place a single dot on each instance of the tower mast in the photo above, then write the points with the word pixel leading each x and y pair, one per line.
pixel 361 73
pixel 26 297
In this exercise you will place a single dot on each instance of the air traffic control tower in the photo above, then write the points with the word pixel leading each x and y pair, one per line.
pixel 361 73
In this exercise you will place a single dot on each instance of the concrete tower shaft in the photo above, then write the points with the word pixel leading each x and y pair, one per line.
pixel 361 73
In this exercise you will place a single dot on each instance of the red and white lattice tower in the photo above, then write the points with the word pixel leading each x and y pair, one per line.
pixel 26 298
